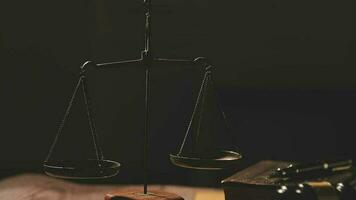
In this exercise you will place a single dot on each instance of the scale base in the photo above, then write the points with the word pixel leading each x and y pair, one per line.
pixel 139 195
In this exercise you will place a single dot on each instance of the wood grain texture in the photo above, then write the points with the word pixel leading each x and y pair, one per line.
pixel 41 187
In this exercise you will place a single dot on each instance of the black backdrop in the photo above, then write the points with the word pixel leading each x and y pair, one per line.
pixel 285 72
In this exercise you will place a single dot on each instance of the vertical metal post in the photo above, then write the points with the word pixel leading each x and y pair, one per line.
pixel 146 134
pixel 147 58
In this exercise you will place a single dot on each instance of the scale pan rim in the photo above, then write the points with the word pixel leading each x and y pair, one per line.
pixel 206 163
pixel 108 169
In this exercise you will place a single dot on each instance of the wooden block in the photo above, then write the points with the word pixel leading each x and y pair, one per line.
pixel 139 195
pixel 209 194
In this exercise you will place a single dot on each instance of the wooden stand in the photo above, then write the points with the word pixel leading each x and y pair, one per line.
pixel 139 195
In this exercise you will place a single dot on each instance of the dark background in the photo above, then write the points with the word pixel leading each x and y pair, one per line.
pixel 285 74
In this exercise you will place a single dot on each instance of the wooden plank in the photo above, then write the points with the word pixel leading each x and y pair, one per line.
pixel 39 187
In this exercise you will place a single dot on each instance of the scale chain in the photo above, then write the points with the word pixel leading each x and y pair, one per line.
pixel 87 100
pixel 193 114
pixel 205 84
pixel 81 82
pixel 207 77
pixel 227 122
pixel 61 125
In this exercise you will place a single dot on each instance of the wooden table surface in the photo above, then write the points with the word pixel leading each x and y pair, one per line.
pixel 41 187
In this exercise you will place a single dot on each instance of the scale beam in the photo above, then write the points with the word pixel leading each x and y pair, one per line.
pixel 120 63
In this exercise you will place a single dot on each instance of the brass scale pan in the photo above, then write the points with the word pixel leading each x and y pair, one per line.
pixel 81 169
pixel 87 169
